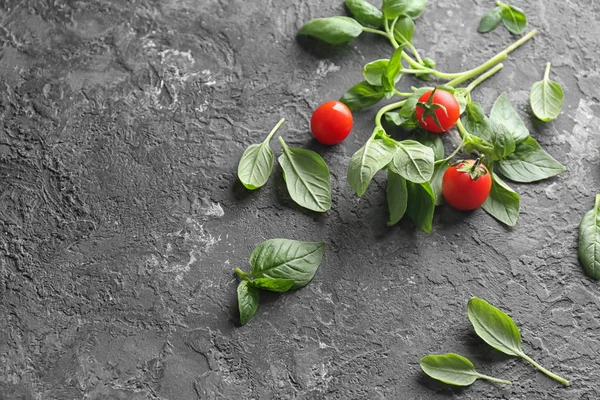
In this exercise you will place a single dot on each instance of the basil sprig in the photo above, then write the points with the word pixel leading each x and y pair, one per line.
pixel 513 18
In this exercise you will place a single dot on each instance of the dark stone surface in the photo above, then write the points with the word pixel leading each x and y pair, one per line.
pixel 121 218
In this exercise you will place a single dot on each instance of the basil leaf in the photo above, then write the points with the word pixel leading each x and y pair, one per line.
pixel 393 8
pixel 287 259
pixel 436 180
pixel 473 142
pixel 504 144
pixel 408 109
pixel 248 297
pixel 514 18
pixel 333 30
pixel 362 95
pixel 490 21
pixel 421 205
pixel 394 118
pixel 546 98
pixel 397 197
pixel 404 30
pixel 589 240
pixel 372 157
pixel 413 161
pixel 503 113
pixel 256 163
pixel 271 284
pixel 374 70
pixel 503 203
pixel 307 178
pixel 392 71
pixel 495 327
pixel 365 12
pixel 529 163
pixel 476 123
pixel 463 97
pixel 431 140
pixel 453 369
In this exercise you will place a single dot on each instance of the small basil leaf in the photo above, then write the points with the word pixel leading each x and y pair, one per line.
pixel 392 70
pixel 287 259
pixel 248 298
pixel 374 70
pixel 463 97
pixel 413 161
pixel 514 19
pixel 394 118
pixel 589 240
pixel 306 177
pixel 431 140
pixel 490 21
pixel 473 142
pixel 362 95
pixel 504 144
pixel 408 109
pixel 333 30
pixel 495 327
pixel 503 203
pixel 436 180
pixel 453 369
pixel 365 12
pixel 421 205
pixel 546 98
pixel 393 8
pixel 404 30
pixel 476 123
pixel 397 197
pixel 375 154
pixel 529 163
pixel 503 113
pixel 271 284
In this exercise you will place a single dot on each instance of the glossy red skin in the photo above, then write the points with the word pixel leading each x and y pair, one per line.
pixel 331 122
pixel 461 191
pixel 446 99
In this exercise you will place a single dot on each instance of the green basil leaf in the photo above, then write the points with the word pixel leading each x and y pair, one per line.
pixel 463 97
pixel 365 12
pixel 287 259
pixel 514 19
pixel 333 30
pixel 431 140
pixel 392 71
pixel 490 21
pixel 397 197
pixel 421 205
pixel 503 203
pixel 503 113
pixel 372 157
pixel 473 142
pixel 307 178
pixel 374 70
pixel 529 163
pixel 589 240
pixel 495 327
pixel 362 95
pixel 504 144
pixel 272 284
pixel 453 369
pixel 436 180
pixel 413 161
pixel 476 123
pixel 394 118
pixel 546 98
pixel 404 30
pixel 248 298
pixel 408 109
pixel 393 8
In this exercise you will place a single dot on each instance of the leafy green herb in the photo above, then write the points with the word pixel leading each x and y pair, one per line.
pixel 391 72
pixel 272 284
pixel 413 161
pixel 393 8
pixel 408 108
pixel 490 21
pixel 248 298
pixel 365 12
pixel 362 95
pixel 431 140
pixel 333 30
pixel 504 144
pixel 372 157
pixel 256 163
pixel 454 369
pixel 503 113
pixel 514 18
pixel 529 163
pixel 404 29
pixel 374 70
pixel 546 97
pixel 307 177
pixel 503 203
pixel 436 180
pixel 397 197
pixel 499 331
pixel 421 205
pixel 476 122
pixel 589 240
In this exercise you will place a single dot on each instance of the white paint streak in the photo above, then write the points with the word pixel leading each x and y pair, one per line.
pixel 325 68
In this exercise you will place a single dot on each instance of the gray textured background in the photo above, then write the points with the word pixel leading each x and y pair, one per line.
pixel 121 218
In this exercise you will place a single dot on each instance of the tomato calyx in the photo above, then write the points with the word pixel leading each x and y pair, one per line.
pixel 474 169
pixel 429 108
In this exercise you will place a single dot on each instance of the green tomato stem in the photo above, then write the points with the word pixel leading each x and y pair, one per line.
pixel 376 31
pixel 243 275
pixel 268 139
pixel 389 33
pixel 547 72
pixel 483 77
pixel 462 130
pixel 492 379
pixel 456 151
pixel 415 52
pixel 383 110
pixel 544 370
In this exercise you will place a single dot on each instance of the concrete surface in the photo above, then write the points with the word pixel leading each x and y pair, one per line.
pixel 122 219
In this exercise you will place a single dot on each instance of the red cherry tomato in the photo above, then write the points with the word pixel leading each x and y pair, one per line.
pixel 466 185
pixel 446 119
pixel 331 122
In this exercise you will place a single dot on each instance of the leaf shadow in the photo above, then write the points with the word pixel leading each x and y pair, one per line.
pixel 483 353
pixel 239 191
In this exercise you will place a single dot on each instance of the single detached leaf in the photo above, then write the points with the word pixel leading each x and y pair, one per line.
pixel 404 30
pixel 248 297
pixel 453 369
pixel 307 178
pixel 272 284
pixel 436 180
pixel 365 12
pixel 393 8
pixel 372 157
pixel 421 205
pixel 529 163
pixel 514 19
pixel 397 197
pixel 589 240
pixel 490 21
pixel 333 30
pixel 546 98
pixel 503 203
pixel 362 95
pixel 256 163
pixel 495 327
pixel 413 161
pixel 431 140
pixel 287 259
pixel 503 113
